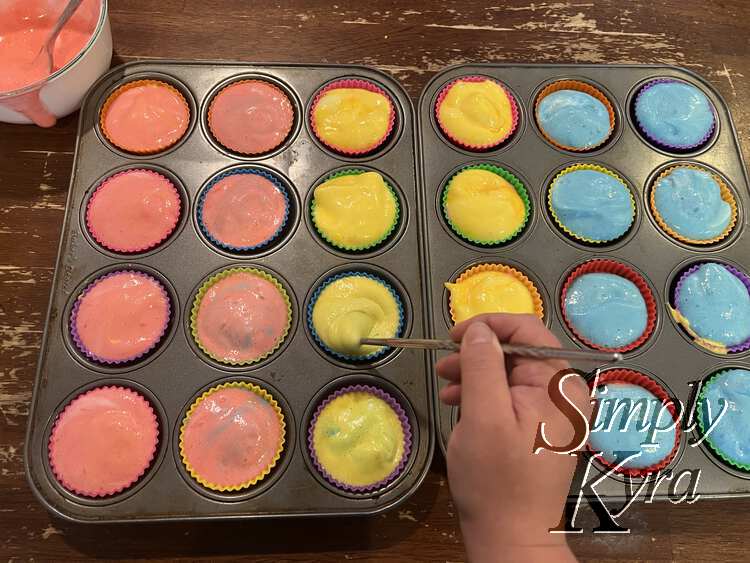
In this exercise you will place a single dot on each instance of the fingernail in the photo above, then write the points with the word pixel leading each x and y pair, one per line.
pixel 478 333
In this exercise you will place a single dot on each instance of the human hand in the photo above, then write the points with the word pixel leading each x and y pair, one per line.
pixel 507 496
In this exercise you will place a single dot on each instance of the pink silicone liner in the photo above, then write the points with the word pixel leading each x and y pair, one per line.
pixel 404 425
pixel 362 85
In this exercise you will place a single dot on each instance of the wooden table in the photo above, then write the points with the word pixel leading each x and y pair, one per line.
pixel 411 40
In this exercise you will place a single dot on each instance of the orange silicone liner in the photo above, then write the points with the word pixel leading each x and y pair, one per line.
pixel 637 378
pixel 446 130
pixel 535 296
pixel 726 195
pixel 125 88
pixel 362 85
pixel 605 266
pixel 579 87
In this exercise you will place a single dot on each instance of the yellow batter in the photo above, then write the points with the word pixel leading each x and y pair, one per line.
pixel 354 211
pixel 352 308
pixel 491 292
pixel 476 113
pixel 483 206
pixel 358 439
pixel 352 119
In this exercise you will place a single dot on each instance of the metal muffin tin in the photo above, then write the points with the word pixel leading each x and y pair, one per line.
pixel 299 375
pixel 547 256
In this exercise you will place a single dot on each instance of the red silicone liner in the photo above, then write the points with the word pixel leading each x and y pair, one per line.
pixel 605 266
pixel 637 378
pixel 478 148
pixel 362 85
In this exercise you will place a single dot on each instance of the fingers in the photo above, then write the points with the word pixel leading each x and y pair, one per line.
pixel 449 367
pixel 484 381
pixel 451 394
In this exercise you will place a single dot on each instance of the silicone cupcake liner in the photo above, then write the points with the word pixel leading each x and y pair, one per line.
pixel 358 359
pixel 605 266
pixel 508 177
pixel 535 296
pixel 375 244
pixel 263 394
pixel 209 117
pixel 74 317
pixel 101 492
pixel 362 85
pixel 258 172
pixel 225 274
pixel 658 142
pixel 559 222
pixel 134 249
pixel 702 429
pixel 477 148
pixel 405 425
pixel 726 195
pixel 126 87
pixel 579 87
pixel 637 378
pixel 682 321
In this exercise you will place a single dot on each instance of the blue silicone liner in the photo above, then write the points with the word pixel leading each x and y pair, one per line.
pixel 258 172
pixel 345 357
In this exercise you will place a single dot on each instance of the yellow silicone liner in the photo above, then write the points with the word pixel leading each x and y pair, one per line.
pixel 263 394
pixel 502 268
pixel 225 274
pixel 597 168
pixel 726 195
pixel 125 87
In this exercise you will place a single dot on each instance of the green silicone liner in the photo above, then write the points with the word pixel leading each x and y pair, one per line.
pixel 508 177
pixel 716 451
pixel 381 240
pixel 225 274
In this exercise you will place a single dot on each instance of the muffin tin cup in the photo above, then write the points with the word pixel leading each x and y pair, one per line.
pixel 243 170
pixel 362 85
pixel 578 86
pixel 685 324
pixel 403 419
pixel 565 229
pixel 75 336
pixel 477 148
pixel 357 248
pixel 636 378
pixel 605 266
pixel 667 146
pixel 726 195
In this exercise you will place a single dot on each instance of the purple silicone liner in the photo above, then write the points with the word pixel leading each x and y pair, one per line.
pixel 660 143
pixel 737 273
pixel 74 315
pixel 405 425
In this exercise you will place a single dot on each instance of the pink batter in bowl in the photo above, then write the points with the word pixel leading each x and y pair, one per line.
pixel 29 93
pixel 103 441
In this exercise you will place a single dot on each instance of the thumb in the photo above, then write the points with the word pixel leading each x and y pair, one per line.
pixel 484 381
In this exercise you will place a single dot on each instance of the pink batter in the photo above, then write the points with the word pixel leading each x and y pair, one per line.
pixel 103 441
pixel 145 116
pixel 121 316
pixel 231 437
pixel 133 211
pixel 251 117
pixel 241 318
pixel 24 28
pixel 244 210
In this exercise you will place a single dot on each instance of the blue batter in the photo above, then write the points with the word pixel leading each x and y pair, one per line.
pixel 729 435
pixel 613 432
pixel 690 203
pixel 716 304
pixel 573 119
pixel 592 205
pixel 674 114
pixel 606 309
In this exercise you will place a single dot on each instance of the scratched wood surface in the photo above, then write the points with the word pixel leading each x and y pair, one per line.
pixel 411 40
